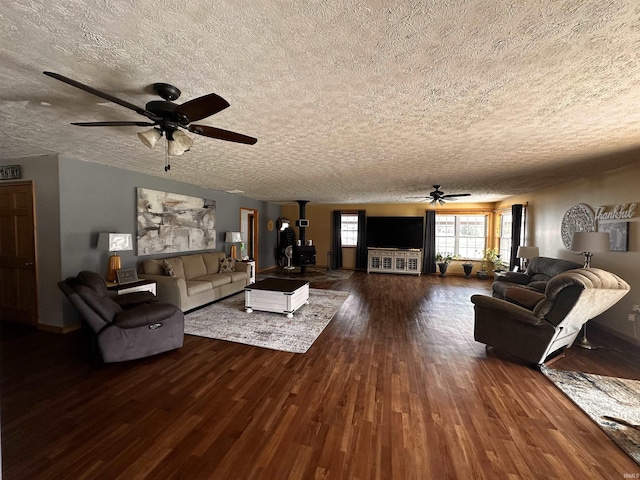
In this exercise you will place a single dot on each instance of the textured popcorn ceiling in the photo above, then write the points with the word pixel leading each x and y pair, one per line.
pixel 351 101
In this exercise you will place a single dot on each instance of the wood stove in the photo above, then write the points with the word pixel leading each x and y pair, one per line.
pixel 304 255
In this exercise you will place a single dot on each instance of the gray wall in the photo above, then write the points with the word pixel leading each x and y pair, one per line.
pixel 76 200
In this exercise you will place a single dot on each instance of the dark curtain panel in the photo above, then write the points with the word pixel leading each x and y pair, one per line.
pixel 516 233
pixel 336 243
pixel 361 249
pixel 429 250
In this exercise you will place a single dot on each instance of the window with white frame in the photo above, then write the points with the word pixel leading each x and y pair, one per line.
pixel 461 235
pixel 349 229
pixel 506 220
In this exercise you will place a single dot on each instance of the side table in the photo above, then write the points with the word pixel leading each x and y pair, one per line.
pixel 139 286
pixel 252 270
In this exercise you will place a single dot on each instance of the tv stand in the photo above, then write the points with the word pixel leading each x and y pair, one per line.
pixel 395 260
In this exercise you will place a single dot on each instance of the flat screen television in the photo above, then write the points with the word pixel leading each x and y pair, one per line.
pixel 395 232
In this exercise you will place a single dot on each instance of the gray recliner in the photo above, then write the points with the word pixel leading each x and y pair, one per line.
pixel 124 327
pixel 533 326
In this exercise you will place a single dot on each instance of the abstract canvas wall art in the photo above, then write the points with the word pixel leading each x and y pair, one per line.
pixel 170 222
pixel 618 235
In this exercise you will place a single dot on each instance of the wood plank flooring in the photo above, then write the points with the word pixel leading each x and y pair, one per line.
pixel 394 388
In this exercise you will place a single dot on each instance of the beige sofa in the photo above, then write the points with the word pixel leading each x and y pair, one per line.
pixel 197 278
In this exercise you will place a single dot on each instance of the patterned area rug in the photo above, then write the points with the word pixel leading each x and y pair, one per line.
pixel 227 320
pixel 612 403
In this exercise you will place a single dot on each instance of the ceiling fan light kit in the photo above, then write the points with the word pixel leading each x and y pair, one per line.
pixel 166 117
pixel 150 137
pixel 179 142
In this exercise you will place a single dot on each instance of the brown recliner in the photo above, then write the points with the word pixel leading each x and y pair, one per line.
pixel 124 327
pixel 534 326
pixel 538 274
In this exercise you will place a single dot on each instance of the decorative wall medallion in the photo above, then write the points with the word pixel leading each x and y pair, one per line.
pixel 579 218
pixel 270 225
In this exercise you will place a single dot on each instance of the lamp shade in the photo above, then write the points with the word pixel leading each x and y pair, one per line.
pixel 115 242
pixel 150 137
pixel 528 252
pixel 233 237
pixel 590 242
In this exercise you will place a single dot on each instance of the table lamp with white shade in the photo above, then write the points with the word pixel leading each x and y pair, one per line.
pixel 233 238
pixel 527 253
pixel 114 242
pixel 587 243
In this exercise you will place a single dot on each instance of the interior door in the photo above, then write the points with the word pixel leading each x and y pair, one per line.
pixel 18 291
pixel 249 232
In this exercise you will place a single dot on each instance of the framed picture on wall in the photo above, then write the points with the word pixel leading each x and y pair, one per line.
pixel 618 235
pixel 171 222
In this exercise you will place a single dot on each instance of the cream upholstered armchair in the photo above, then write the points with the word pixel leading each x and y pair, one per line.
pixel 532 326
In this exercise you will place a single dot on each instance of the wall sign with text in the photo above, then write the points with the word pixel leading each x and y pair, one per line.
pixel 618 212
pixel 10 172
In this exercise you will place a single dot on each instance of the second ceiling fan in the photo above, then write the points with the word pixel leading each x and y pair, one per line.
pixel 439 197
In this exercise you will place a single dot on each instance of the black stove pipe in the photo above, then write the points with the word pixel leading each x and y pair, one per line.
pixel 303 204
pixel 302 237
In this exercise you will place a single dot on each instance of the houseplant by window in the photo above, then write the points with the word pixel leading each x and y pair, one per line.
pixel 492 257
pixel 443 260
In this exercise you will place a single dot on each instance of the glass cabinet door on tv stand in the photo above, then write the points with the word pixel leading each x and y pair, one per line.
pixel 394 260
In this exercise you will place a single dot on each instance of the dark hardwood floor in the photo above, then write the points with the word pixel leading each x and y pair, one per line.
pixel 394 388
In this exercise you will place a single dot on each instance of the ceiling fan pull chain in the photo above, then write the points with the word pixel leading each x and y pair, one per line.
pixel 167 165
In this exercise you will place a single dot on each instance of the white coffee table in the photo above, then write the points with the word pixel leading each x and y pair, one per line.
pixel 276 295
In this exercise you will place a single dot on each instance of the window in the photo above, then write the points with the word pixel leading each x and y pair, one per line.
pixel 349 229
pixel 462 235
pixel 506 219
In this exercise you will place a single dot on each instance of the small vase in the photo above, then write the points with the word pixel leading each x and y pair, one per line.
pixel 443 268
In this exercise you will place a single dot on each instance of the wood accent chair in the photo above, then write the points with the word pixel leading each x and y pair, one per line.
pixel 533 326
pixel 123 327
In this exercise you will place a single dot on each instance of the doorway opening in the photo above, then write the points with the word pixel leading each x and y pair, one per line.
pixel 249 233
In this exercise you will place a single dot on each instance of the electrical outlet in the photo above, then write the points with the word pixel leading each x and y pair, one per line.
pixel 631 317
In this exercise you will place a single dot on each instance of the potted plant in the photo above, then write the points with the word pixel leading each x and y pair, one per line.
pixel 443 261
pixel 482 273
pixel 493 256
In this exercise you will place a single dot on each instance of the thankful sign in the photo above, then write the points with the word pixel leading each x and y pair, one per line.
pixel 619 212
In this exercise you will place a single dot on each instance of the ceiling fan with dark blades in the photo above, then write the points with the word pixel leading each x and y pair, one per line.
pixel 438 196
pixel 166 117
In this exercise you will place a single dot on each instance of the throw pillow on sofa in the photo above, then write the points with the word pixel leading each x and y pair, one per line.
pixel 168 269
pixel 227 265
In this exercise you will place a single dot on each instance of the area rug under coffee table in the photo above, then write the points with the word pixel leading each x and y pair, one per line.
pixel 227 320
pixel 612 403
